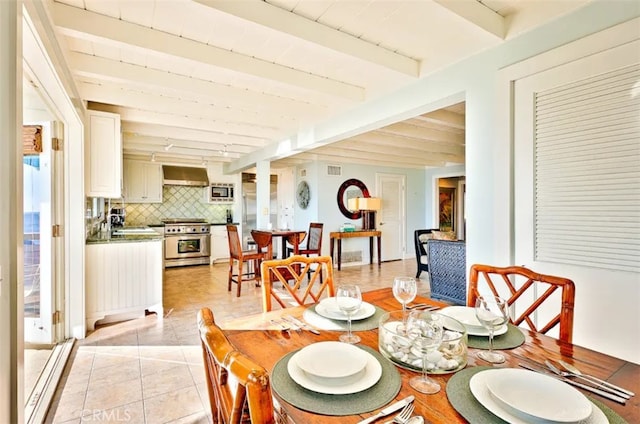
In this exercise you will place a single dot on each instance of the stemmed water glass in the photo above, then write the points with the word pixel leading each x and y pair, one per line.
pixel 425 331
pixel 404 290
pixel 493 313
pixel 349 299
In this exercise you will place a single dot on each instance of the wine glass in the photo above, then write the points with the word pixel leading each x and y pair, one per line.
pixel 492 312
pixel 404 290
pixel 425 331
pixel 349 299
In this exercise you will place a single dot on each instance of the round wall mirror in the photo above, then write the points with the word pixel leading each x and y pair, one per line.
pixel 350 189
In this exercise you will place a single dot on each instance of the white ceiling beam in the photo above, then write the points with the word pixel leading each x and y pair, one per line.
pixel 478 14
pixel 381 162
pixel 91 26
pixel 114 94
pixel 100 68
pixel 442 117
pixel 402 142
pixel 175 150
pixel 161 142
pixel 415 131
pixel 375 156
pixel 171 132
pixel 305 29
pixel 419 150
pixel 149 117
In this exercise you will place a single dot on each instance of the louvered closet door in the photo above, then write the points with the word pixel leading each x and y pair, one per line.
pixel 577 188
pixel 577 163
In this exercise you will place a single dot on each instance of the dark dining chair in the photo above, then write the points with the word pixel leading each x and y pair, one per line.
pixel 420 238
pixel 314 241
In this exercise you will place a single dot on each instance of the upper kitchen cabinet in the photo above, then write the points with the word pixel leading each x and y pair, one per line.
pixel 142 182
pixel 103 155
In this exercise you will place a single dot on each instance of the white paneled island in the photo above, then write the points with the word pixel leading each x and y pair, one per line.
pixel 123 276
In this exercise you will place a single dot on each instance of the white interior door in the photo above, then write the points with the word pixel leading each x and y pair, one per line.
pixel 391 218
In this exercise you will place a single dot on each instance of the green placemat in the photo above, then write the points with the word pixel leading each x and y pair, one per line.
pixel 509 340
pixel 463 401
pixel 313 318
pixel 381 393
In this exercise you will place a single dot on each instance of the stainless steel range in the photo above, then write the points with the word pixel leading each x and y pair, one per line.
pixel 187 241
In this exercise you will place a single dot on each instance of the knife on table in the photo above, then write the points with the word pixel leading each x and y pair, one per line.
pixel 389 410
pixel 592 389
pixel 301 324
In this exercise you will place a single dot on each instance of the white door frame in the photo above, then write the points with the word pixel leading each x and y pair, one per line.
pixel 402 194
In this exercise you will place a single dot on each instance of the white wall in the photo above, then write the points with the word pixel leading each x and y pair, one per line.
pixel 489 170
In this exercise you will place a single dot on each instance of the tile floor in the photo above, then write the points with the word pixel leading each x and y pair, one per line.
pixel 149 370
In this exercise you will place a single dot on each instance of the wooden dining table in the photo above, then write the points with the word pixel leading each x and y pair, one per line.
pixel 266 343
pixel 288 235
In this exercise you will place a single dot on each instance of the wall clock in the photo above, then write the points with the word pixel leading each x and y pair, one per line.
pixel 302 194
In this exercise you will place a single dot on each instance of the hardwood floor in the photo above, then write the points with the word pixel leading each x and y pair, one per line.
pixel 149 370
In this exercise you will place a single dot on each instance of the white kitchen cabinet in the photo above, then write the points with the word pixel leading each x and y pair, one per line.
pixel 142 182
pixel 219 242
pixel 103 155
pixel 123 278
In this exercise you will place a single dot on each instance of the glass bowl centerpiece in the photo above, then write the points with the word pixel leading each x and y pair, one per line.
pixel 396 345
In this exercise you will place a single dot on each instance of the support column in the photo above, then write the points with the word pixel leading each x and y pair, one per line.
pixel 263 207
pixel 11 293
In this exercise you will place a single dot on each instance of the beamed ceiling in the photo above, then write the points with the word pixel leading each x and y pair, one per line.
pixel 226 81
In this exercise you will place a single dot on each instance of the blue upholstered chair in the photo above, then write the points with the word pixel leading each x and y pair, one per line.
pixel 448 270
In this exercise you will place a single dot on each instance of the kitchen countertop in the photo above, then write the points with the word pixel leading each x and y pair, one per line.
pixel 210 223
pixel 107 237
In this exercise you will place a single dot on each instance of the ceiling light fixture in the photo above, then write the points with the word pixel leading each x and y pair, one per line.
pixel 204 162
pixel 167 147
pixel 153 157
pixel 224 152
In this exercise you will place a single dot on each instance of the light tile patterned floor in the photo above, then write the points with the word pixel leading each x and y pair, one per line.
pixel 149 370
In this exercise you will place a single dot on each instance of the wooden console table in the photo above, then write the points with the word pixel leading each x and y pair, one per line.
pixel 365 233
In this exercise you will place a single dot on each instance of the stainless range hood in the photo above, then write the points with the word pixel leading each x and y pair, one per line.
pixel 185 176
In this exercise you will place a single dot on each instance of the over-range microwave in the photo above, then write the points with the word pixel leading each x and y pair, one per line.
pixel 220 192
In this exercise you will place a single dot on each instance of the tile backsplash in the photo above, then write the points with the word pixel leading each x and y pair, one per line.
pixel 177 202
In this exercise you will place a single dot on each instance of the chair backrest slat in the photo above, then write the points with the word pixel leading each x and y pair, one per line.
pixel 529 296
pixel 304 279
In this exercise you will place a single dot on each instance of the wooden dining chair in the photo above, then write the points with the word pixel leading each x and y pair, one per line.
pixel 240 257
pixel 239 389
pixel 264 245
pixel 314 241
pixel 527 291
pixel 295 289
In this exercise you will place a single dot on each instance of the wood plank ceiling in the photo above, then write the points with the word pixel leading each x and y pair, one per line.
pixel 211 81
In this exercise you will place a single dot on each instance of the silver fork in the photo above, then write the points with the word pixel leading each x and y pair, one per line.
pixel 403 415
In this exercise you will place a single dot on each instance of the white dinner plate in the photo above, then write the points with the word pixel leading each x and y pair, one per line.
pixel 479 389
pixel 539 396
pixel 465 314
pixel 328 308
pixel 331 359
pixel 352 384
pixel 485 332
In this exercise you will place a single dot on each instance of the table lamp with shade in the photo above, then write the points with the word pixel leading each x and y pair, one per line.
pixel 368 206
